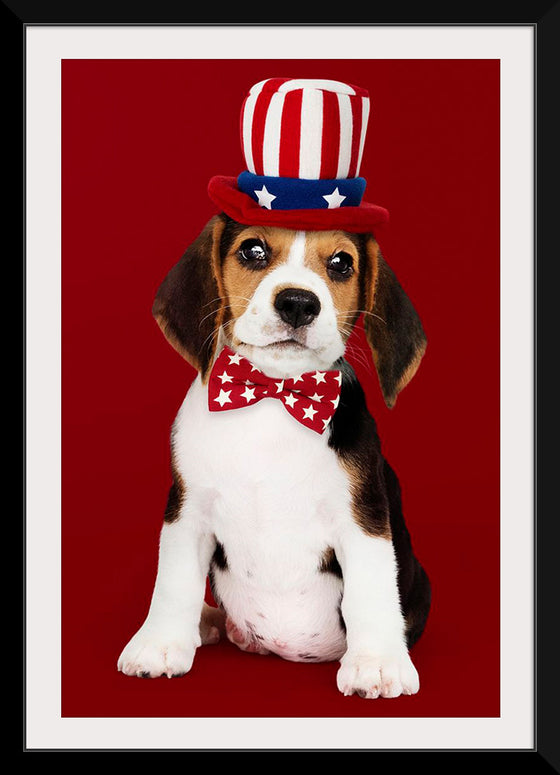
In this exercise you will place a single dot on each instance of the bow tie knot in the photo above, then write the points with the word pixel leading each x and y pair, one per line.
pixel 311 398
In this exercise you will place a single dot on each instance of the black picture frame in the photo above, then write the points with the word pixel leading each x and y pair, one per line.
pixel 544 17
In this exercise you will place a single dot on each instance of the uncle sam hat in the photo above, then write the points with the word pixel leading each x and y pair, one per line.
pixel 302 141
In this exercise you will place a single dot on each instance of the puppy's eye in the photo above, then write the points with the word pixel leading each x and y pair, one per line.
pixel 339 266
pixel 253 253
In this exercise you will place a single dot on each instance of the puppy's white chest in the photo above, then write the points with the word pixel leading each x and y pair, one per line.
pixel 275 496
pixel 256 461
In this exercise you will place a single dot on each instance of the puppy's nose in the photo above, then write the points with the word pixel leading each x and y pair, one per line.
pixel 297 306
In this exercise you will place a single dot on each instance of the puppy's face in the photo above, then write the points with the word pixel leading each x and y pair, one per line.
pixel 292 297
pixel 288 300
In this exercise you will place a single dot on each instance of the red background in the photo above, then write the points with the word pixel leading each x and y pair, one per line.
pixel 140 140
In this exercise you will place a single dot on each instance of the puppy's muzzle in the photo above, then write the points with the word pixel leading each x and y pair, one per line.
pixel 297 306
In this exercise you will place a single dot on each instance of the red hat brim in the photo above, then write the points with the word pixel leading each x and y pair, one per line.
pixel 223 191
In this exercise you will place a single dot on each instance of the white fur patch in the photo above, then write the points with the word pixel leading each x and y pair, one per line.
pixel 296 256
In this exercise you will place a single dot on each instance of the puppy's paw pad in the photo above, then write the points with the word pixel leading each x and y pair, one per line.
pixel 371 677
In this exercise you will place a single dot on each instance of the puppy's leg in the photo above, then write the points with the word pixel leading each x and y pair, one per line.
pixel 376 663
pixel 212 625
pixel 167 641
pixel 246 640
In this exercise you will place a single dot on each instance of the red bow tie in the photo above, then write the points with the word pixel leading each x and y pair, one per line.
pixel 311 398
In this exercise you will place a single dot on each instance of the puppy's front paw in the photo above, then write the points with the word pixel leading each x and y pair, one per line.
pixel 150 655
pixel 373 676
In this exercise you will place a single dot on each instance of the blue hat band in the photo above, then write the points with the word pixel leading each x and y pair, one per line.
pixel 301 194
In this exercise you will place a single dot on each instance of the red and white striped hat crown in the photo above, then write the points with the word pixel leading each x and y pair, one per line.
pixel 303 141
pixel 310 129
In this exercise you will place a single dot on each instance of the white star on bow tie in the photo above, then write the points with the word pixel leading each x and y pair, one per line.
pixel 319 376
pixel 309 412
pixel 225 377
pixel 290 399
pixel 223 398
pixel 248 394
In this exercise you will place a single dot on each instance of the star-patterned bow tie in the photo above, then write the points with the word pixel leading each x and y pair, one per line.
pixel 311 398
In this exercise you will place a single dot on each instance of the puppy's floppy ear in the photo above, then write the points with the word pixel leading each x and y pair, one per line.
pixel 392 326
pixel 188 305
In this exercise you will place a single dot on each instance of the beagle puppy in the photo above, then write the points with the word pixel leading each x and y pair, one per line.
pixel 300 533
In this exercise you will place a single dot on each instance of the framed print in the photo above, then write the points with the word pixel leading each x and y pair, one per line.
pixel 125 126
